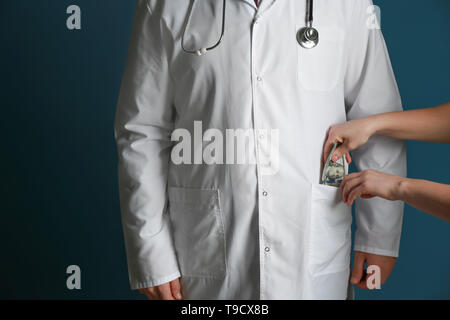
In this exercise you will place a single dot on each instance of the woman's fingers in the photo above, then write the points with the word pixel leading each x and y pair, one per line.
pixel 350 185
pixel 355 193
pixel 330 140
pixel 349 177
pixel 339 152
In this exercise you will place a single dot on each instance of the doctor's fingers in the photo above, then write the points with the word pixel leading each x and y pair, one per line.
pixel 150 293
pixel 358 267
pixel 358 276
pixel 165 292
pixel 176 289
pixel 161 292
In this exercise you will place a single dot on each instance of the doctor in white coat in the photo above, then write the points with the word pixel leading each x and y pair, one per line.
pixel 221 230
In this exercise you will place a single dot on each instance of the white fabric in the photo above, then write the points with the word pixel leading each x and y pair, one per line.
pixel 232 231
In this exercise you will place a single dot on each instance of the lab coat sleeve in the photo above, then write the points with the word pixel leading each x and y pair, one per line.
pixel 143 123
pixel 370 88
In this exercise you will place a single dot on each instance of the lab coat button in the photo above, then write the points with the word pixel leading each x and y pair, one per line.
pixel 266 249
pixel 259 78
pixel 265 193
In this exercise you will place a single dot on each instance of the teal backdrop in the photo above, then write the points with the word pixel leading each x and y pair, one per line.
pixel 59 192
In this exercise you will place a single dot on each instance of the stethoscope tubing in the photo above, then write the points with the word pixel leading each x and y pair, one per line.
pixel 188 18
pixel 302 38
pixel 310 14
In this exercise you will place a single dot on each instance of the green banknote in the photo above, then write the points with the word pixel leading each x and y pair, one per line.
pixel 333 172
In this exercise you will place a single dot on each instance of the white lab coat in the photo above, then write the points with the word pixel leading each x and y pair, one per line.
pixel 231 231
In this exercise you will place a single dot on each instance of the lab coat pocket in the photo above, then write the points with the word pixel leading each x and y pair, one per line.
pixel 198 231
pixel 330 237
pixel 320 68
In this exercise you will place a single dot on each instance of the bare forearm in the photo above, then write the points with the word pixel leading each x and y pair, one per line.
pixel 431 124
pixel 427 196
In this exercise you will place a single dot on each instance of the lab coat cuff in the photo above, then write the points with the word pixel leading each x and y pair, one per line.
pixel 152 260
pixel 377 251
pixel 153 282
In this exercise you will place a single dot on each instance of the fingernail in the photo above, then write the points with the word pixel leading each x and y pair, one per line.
pixel 178 295
pixel 354 280
pixel 334 158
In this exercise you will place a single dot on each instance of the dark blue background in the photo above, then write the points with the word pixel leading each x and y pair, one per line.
pixel 59 195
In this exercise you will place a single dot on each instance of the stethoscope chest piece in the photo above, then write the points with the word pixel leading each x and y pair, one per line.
pixel 308 37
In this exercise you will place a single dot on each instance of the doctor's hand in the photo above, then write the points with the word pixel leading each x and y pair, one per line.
pixel 368 184
pixel 351 135
pixel 167 291
pixel 359 274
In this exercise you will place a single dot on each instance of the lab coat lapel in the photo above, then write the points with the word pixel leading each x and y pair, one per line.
pixel 250 2
pixel 265 4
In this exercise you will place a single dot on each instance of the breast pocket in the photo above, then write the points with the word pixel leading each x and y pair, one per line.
pixel 198 231
pixel 320 68
pixel 330 237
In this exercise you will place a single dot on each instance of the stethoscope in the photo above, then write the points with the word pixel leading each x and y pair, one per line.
pixel 307 37
pixel 202 51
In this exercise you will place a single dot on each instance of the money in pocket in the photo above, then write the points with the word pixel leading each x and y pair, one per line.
pixel 333 172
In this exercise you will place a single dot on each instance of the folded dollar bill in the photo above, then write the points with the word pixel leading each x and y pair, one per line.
pixel 333 172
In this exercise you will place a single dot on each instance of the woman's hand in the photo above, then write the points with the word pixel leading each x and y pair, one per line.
pixel 352 135
pixel 368 184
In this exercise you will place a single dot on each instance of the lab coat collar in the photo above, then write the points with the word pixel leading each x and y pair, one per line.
pixel 263 4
